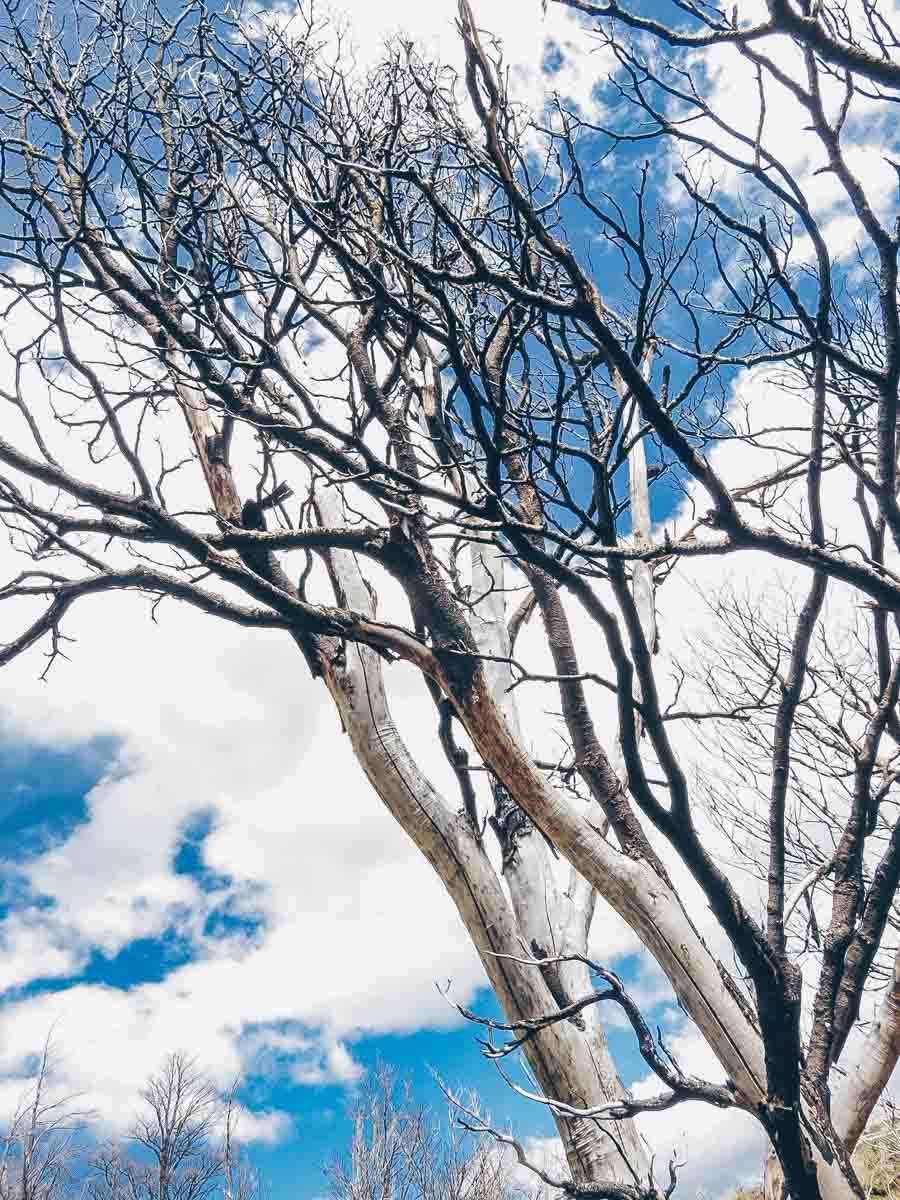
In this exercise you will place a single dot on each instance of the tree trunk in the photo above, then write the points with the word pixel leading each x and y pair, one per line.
pixel 566 1064
pixel 552 922
pixel 867 1077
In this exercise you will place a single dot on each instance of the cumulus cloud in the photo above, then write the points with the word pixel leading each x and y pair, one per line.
pixel 738 113
pixel 544 51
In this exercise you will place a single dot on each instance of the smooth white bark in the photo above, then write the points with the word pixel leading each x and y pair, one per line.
pixel 552 922
pixel 874 1062
pixel 561 1058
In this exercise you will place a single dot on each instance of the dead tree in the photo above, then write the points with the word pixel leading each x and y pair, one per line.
pixel 273 310
pixel 41 1143
pixel 182 1145
pixel 399 1151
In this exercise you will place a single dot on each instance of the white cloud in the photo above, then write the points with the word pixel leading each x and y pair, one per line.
pixel 340 949
pixel 531 41
pixel 262 1128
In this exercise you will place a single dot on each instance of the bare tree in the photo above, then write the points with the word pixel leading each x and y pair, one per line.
pixel 177 1137
pixel 195 204
pixel 242 1179
pixel 399 1151
pixel 41 1145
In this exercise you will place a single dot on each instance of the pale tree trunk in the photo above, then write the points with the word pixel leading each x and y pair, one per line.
pixel 565 1065
pixel 643 585
pixel 546 922
pixel 876 1057
pixel 552 922
pixel 563 1061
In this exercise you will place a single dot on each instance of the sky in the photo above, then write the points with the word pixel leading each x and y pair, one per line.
pixel 192 859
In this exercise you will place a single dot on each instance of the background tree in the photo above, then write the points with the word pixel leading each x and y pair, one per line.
pixel 361 320
pixel 184 1141
pixel 400 1151
pixel 42 1143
